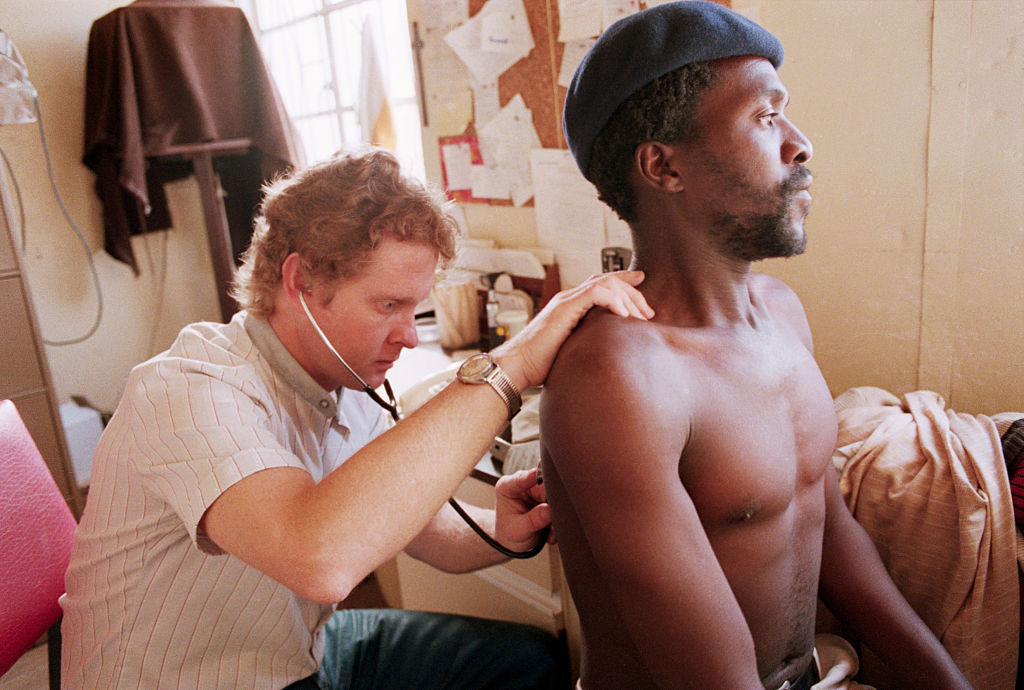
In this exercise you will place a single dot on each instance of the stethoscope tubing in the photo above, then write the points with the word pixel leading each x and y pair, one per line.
pixel 391 405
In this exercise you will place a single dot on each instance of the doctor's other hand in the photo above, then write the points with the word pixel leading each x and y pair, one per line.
pixel 528 356
pixel 521 510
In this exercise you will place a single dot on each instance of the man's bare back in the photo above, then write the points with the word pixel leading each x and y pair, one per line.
pixel 686 469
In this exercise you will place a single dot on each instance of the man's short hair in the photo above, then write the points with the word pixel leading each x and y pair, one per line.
pixel 662 110
pixel 334 213
pixel 640 48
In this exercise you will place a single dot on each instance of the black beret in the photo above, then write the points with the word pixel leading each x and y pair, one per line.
pixel 638 49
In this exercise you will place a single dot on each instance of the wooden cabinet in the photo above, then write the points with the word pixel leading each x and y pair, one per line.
pixel 24 372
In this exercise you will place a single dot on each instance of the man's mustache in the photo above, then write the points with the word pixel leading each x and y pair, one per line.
pixel 800 179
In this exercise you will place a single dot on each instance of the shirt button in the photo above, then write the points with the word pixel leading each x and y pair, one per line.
pixel 324 404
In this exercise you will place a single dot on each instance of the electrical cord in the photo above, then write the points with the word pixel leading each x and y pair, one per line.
pixel 67 216
pixel 17 195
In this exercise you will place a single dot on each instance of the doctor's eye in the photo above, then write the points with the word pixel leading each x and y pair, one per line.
pixel 769 118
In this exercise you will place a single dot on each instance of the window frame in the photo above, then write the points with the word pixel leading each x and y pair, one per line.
pixel 343 117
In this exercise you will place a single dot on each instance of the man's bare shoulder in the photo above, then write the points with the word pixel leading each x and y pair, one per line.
pixel 609 365
pixel 605 344
pixel 770 288
pixel 782 303
pixel 615 380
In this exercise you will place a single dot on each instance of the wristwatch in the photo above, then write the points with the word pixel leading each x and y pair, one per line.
pixel 481 368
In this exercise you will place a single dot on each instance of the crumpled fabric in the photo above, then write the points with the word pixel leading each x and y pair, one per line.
pixel 930 488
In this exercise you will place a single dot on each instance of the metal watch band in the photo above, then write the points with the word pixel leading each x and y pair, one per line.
pixel 503 385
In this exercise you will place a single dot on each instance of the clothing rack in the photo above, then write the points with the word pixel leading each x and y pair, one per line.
pixel 179 87
pixel 201 156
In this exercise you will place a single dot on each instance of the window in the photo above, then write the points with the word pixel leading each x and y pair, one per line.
pixel 314 50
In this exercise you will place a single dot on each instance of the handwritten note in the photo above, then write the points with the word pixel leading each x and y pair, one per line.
pixel 504 28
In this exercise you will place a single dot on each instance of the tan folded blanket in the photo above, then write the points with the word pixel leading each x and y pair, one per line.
pixel 930 488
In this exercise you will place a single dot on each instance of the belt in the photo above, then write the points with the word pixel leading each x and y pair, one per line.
pixel 806 680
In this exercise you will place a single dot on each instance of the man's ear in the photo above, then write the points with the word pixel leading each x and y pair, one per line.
pixel 294 278
pixel 657 166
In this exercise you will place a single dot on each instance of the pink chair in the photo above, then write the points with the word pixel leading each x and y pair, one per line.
pixel 36 530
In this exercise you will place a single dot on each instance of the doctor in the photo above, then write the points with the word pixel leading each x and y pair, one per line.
pixel 247 482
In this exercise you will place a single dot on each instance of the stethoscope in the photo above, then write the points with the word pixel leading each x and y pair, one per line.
pixel 391 405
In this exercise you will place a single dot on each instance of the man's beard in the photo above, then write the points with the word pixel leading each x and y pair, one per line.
pixel 778 233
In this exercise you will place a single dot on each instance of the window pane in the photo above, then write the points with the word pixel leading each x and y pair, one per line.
pixel 320 136
pixel 318 78
pixel 350 130
pixel 398 60
pixel 346 30
pixel 273 13
pixel 298 60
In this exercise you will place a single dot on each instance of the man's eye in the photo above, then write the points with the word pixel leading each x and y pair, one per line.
pixel 769 118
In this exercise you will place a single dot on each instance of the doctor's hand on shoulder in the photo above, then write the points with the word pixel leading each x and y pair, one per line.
pixel 528 356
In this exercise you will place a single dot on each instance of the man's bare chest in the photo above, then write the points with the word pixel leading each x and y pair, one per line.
pixel 761 431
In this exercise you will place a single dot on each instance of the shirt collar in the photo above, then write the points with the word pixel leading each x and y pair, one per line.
pixel 285 365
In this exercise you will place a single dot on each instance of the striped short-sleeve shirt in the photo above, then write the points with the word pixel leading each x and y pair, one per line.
pixel 151 602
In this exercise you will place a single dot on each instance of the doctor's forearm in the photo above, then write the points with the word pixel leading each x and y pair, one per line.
pixel 395 485
pixel 448 543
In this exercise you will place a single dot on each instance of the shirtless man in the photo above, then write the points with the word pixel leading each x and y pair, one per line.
pixel 687 459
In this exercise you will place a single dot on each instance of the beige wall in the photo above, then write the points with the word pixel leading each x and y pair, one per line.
pixel 915 267
pixel 140 315
pixel 913 277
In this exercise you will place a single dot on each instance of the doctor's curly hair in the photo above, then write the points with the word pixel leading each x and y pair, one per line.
pixel 333 214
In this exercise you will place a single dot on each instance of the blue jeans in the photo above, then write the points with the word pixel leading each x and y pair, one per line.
pixel 380 649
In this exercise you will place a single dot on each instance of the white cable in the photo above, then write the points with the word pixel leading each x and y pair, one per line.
pixel 17 195
pixel 67 216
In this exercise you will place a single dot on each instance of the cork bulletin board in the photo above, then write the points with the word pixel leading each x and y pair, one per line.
pixel 534 77
pixel 451 107
pixel 454 111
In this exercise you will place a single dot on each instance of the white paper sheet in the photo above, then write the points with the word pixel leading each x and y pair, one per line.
pixel 570 219
pixel 448 97
pixel 579 19
pixel 489 181
pixel 458 163
pixel 485 101
pixel 571 58
pixel 513 38
pixel 615 10
pixel 444 13
pixel 507 141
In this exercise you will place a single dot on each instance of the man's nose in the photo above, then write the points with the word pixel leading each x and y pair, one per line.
pixel 798 148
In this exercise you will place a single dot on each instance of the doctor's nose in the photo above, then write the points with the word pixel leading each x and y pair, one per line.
pixel 404 333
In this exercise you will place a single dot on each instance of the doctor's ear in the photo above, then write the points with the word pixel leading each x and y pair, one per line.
pixel 657 164
pixel 294 277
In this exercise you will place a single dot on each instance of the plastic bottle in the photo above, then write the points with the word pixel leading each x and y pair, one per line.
pixel 496 333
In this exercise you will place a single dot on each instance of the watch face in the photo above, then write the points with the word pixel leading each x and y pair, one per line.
pixel 476 367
